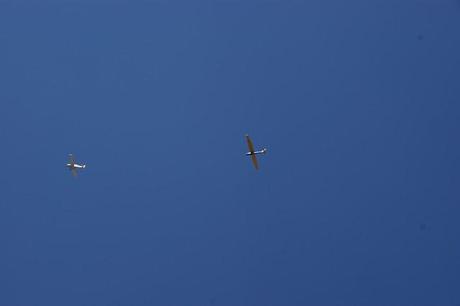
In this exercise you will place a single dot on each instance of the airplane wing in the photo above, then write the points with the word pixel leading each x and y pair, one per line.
pixel 254 161
pixel 250 145
pixel 71 159
pixel 74 172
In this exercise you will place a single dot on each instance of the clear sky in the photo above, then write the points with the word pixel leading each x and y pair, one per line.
pixel 356 202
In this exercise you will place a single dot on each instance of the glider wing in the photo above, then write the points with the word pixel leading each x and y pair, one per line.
pixel 250 145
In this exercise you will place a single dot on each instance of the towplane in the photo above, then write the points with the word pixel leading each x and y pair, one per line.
pixel 73 166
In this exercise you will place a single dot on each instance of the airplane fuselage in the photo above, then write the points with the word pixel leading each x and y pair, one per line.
pixel 75 166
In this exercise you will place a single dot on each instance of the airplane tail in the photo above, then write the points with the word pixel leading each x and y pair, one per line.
pixel 83 166
pixel 264 150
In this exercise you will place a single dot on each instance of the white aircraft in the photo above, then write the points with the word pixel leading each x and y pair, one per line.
pixel 73 166
pixel 253 153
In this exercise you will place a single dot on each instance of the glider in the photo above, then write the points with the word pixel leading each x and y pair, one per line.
pixel 254 153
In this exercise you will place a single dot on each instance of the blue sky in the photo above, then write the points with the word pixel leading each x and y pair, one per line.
pixel 356 202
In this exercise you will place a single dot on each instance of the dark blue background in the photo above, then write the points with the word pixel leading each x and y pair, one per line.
pixel 357 202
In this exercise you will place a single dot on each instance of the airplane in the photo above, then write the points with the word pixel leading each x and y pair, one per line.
pixel 253 153
pixel 73 166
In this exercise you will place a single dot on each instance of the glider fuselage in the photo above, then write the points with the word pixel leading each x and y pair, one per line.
pixel 256 152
